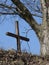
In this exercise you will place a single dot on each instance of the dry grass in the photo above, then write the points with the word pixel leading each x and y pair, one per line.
pixel 12 57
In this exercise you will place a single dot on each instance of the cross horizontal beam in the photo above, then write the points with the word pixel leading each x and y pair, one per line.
pixel 17 36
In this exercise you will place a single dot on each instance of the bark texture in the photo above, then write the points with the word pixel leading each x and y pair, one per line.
pixel 44 38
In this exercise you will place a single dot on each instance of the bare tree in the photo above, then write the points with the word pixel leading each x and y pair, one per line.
pixel 17 7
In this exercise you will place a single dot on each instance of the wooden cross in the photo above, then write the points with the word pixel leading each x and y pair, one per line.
pixel 17 36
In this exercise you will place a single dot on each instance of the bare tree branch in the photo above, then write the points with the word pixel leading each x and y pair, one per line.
pixel 2 13
pixel 16 13
pixel 26 15
pixel 23 12
pixel 6 6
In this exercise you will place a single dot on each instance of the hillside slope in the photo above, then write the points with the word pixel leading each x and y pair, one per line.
pixel 11 57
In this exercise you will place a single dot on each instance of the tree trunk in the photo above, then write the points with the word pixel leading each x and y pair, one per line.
pixel 44 32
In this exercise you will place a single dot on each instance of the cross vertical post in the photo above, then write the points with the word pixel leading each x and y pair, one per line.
pixel 18 38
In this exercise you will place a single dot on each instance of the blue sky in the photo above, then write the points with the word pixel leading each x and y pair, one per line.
pixel 8 25
pixel 6 42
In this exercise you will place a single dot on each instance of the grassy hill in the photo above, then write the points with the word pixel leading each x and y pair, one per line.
pixel 12 57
